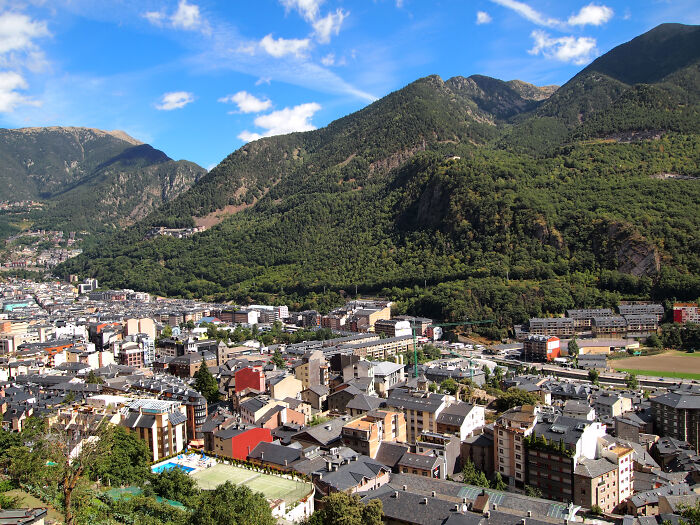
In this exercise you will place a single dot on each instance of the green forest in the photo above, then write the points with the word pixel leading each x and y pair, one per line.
pixel 462 198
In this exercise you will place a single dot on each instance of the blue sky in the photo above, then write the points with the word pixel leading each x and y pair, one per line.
pixel 199 78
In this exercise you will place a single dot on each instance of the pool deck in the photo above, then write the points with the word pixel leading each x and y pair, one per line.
pixel 188 462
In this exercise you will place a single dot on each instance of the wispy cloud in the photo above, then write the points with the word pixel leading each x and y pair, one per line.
pixel 577 50
pixel 591 14
pixel 287 120
pixel 247 103
pixel 328 60
pixel 329 25
pixel 308 9
pixel 482 17
pixel 528 13
pixel 175 100
pixel 324 26
pixel 187 17
pixel 281 47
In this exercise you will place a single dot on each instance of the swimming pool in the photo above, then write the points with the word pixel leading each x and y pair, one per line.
pixel 170 465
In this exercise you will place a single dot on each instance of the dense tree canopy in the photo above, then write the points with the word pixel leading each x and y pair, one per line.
pixel 345 509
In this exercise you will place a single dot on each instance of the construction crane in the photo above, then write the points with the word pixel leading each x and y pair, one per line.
pixel 459 323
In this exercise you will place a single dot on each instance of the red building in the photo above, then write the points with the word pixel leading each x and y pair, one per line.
pixel 250 377
pixel 541 348
pixel 686 313
pixel 237 441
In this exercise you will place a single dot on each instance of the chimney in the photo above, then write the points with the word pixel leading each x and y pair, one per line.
pixel 396 494
pixel 432 494
pixel 456 508
pixel 487 514
pixel 404 488
pixel 529 513
pixel 424 501
pixel 495 506
pixel 523 521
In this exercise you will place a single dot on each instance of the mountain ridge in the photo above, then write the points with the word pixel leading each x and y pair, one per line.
pixel 87 179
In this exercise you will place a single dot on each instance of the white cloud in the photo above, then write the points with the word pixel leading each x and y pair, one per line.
pixel 281 47
pixel 157 18
pixel 187 17
pixel 566 49
pixel 482 17
pixel 247 103
pixel 175 100
pixel 10 97
pixel 18 51
pixel 529 13
pixel 399 3
pixel 286 120
pixel 247 136
pixel 17 32
pixel 263 80
pixel 328 60
pixel 591 15
pixel 329 25
pixel 308 9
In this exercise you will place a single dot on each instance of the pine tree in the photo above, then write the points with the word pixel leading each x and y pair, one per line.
pixel 206 384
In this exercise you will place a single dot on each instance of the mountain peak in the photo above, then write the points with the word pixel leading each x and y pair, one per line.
pixel 650 57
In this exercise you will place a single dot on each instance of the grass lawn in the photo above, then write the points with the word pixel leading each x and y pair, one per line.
pixel 659 373
pixel 27 501
pixel 272 487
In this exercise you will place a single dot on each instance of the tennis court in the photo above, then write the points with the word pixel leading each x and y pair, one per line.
pixel 272 487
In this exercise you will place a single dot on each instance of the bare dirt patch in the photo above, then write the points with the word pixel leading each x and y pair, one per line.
pixel 215 217
pixel 667 362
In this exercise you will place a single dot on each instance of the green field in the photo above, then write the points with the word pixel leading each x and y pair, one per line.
pixel 659 373
pixel 272 487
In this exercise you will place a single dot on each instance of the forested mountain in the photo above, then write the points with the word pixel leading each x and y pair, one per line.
pixel 457 198
pixel 87 179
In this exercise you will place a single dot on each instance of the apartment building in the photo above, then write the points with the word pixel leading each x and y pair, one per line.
pixel 509 432
pixel 686 313
pixel 365 434
pixel 656 310
pixel 420 409
pixel 641 325
pixel 557 326
pixel 610 405
pixel 312 369
pixel 160 423
pixel 608 326
pixel 595 483
pixel 461 420
pixel 583 317
pixel 381 348
pixel 392 327
pixel 676 414
pixel 554 448
pixel 541 348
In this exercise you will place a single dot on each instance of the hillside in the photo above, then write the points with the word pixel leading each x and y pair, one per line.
pixel 436 197
pixel 86 179
pixel 649 83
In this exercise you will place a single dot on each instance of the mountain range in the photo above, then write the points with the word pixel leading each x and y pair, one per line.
pixel 464 197
pixel 87 179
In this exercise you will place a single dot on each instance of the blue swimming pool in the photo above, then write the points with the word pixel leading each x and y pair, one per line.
pixel 170 465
